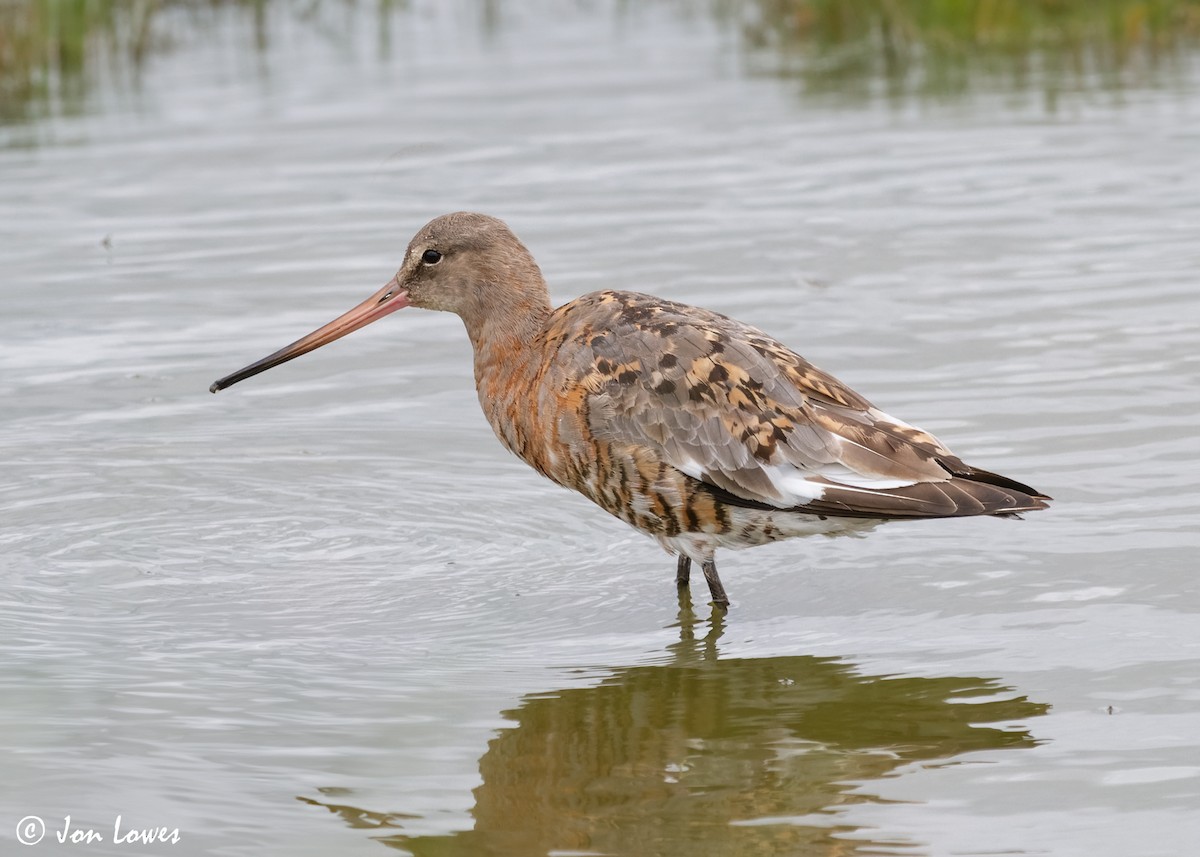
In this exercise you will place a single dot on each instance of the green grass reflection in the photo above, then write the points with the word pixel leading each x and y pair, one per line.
pixel 51 51
pixel 941 48
pixel 703 755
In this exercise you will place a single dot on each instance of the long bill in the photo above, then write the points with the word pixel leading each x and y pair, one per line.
pixel 387 300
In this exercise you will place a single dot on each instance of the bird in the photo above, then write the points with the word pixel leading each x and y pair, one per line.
pixel 696 429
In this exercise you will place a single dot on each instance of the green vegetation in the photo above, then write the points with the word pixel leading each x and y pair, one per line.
pixel 50 50
pixel 947 47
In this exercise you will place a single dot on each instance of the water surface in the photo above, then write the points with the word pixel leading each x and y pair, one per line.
pixel 325 613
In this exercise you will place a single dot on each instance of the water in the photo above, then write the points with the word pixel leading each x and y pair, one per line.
pixel 324 612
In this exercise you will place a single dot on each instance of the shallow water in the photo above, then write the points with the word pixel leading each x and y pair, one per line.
pixel 324 612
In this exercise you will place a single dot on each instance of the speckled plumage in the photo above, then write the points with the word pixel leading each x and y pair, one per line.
pixel 696 429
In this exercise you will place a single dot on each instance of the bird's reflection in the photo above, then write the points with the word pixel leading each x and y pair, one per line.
pixel 709 756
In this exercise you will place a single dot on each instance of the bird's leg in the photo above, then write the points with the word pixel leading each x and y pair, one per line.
pixel 720 599
pixel 683 571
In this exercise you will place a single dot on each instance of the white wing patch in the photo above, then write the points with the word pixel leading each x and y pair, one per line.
pixel 796 486
pixel 691 467
pixel 845 476
pixel 799 487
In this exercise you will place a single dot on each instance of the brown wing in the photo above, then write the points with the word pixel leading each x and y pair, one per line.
pixel 728 405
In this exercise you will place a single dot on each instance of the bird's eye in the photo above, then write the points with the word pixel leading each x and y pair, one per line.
pixel 431 257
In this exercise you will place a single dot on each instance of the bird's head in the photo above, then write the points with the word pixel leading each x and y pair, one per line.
pixel 465 263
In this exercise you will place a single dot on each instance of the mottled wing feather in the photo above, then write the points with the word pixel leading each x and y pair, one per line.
pixel 728 405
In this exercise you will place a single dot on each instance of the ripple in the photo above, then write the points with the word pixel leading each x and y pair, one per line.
pixel 333 578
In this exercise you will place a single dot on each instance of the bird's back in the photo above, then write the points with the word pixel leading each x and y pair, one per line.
pixel 626 375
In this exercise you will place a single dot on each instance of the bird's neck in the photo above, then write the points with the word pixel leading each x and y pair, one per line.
pixel 505 335
pixel 509 362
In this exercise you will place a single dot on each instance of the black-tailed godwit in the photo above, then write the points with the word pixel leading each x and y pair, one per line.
pixel 696 429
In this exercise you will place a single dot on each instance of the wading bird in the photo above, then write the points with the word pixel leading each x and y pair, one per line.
pixel 696 429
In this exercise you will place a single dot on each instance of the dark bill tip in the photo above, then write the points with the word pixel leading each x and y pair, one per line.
pixel 387 300
pixel 283 355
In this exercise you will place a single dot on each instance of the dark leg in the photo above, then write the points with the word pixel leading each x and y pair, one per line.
pixel 683 571
pixel 719 597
